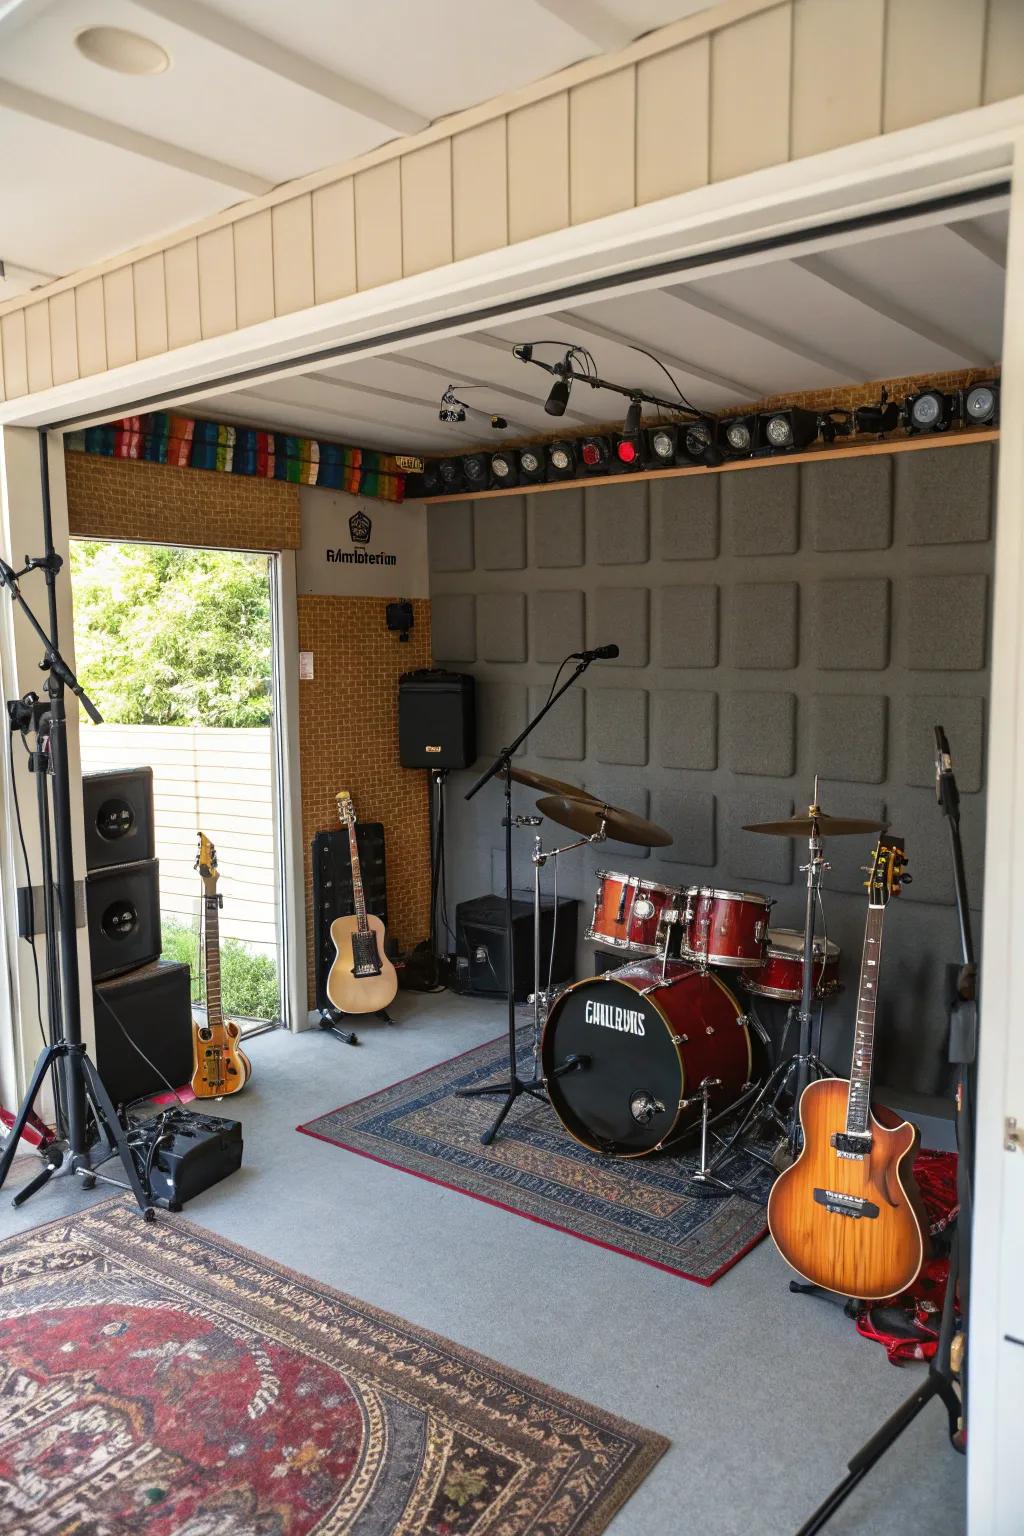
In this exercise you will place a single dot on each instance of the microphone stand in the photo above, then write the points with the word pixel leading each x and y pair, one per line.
pixel 514 1085
pixel 949 1359
pixel 79 1081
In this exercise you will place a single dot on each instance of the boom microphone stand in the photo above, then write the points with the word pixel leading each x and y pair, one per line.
pixel 514 1085
pixel 80 1082
pixel 950 1356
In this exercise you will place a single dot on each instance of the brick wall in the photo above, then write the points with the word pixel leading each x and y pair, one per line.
pixel 349 735
pixel 347 716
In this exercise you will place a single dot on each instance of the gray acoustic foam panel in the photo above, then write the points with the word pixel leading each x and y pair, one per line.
pixel 773 623
pixel 761 512
pixel 618 531
pixel 557 529
pixel 617 725
pixel 557 624
pixel 500 541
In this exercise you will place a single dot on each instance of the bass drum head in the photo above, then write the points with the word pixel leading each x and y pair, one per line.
pixel 624 1096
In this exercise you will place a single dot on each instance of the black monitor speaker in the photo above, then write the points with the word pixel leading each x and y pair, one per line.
pixel 144 1030
pixel 122 907
pixel 118 817
pixel 436 719
pixel 480 942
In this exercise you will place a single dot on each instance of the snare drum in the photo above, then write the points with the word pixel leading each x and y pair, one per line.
pixel 781 975
pixel 632 913
pixel 725 927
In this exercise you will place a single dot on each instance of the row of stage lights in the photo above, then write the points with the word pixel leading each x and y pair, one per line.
pixel 760 434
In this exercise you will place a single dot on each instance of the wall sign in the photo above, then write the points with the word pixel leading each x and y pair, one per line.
pixel 357 548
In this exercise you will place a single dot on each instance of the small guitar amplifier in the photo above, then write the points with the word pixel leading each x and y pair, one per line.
pixel 436 719
pixel 180 1153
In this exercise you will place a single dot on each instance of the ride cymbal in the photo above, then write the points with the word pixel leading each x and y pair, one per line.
pixel 590 815
pixel 827 826
pixel 547 786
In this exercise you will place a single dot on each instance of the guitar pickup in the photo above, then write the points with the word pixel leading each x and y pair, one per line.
pixel 845 1205
pixel 850 1146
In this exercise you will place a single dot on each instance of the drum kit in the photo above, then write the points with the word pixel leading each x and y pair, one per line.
pixel 635 1059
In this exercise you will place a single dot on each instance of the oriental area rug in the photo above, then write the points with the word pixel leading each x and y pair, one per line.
pixel 647 1208
pixel 158 1381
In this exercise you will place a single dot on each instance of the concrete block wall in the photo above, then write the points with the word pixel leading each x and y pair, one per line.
pixel 772 623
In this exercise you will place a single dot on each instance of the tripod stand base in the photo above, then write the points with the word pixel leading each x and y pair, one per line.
pixel 512 1091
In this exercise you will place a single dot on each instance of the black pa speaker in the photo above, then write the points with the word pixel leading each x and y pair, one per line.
pixel 153 1007
pixel 118 817
pixel 122 908
pixel 436 719
pixel 480 941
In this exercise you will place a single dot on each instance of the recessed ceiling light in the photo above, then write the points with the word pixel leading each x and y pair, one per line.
pixel 125 52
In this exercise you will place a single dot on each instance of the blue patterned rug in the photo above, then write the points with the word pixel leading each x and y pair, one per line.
pixel 644 1208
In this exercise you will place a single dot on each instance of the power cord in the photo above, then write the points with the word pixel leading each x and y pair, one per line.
pixel 30 899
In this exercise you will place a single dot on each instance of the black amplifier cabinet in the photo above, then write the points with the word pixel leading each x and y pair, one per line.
pixel 436 719
pixel 480 941
pixel 154 1007
pixel 184 1153
pixel 119 823
pixel 332 889
pixel 122 907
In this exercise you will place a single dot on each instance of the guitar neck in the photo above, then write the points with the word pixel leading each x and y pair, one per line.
pixel 357 880
pixel 211 940
pixel 858 1106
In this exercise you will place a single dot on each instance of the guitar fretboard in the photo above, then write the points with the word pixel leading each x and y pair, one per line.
pixel 211 938
pixel 858 1106
pixel 357 880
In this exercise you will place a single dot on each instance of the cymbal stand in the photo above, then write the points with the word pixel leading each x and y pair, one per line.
pixel 705 1174
pixel 542 998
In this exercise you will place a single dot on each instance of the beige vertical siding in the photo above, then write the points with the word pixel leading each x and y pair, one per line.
pixel 480 189
pixel 293 255
pixel 334 241
pixel 12 339
pixel 672 129
pixel 742 86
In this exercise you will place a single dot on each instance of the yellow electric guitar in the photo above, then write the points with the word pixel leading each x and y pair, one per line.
pixel 219 1065
pixel 362 978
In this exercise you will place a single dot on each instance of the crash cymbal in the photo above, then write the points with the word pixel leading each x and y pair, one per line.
pixel 827 826
pixel 587 817
pixel 547 786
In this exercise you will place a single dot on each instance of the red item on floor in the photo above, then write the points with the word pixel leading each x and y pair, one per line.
pixel 908 1324
pixel 35 1134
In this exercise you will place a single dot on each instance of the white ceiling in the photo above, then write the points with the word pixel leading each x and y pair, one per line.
pixel 93 162
pixel 888 306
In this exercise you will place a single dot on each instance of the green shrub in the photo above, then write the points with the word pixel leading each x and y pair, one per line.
pixel 249 986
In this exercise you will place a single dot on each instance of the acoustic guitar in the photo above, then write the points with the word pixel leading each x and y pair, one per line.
pixel 219 1065
pixel 846 1214
pixel 362 978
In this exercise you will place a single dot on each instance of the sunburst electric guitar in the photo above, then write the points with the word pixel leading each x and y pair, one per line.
pixel 362 978
pixel 219 1065
pixel 846 1214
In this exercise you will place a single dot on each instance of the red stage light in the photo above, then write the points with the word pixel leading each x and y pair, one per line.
pixel 626 450
pixel 591 453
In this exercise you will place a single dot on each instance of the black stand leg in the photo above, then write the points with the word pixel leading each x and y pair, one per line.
pixel 330 1027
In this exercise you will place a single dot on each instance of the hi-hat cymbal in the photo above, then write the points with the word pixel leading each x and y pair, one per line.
pixel 826 826
pixel 589 816
pixel 549 786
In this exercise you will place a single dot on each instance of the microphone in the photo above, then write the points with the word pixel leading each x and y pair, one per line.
pixel 946 791
pixel 599 653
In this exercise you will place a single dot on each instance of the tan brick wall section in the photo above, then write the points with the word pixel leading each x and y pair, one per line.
pixel 348 719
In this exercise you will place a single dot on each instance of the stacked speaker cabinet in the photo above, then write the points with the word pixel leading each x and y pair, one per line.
pixel 143 1005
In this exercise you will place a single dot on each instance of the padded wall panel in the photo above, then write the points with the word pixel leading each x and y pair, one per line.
pixel 759 733
pixel 847 505
pixel 453 626
pixel 501 625
pixel 761 513
pixel 500 542
pixel 557 528
pixel 621 616
pixel 946 503
pixel 946 624
pixel 750 856
pixel 762 625
pixel 561 733
pixel 450 536
pixel 617 725
pixel 684 518
pixel 689 814
pixel 962 719
pixel 617 524
pixel 500 714
pixel 687 626
pixel 685 728
pixel 849 624
pixel 557 624
pixel 848 736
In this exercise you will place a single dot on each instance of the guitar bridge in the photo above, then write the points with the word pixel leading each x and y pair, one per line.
pixel 844 1205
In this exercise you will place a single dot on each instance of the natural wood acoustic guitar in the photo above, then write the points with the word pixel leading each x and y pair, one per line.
pixel 847 1215
pixel 362 978
pixel 219 1065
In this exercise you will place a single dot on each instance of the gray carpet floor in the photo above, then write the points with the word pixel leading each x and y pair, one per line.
pixel 763 1394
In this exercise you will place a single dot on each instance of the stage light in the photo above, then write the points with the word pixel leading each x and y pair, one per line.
pixel 880 418
pixel 981 405
pixel 633 417
pixel 426 483
pixel 561 461
pixel 627 451
pixel 660 447
pixel 558 398
pixel 595 453
pixel 452 410
pixel 450 475
pixel 499 423
pixel 531 464
pixel 787 431
pixel 737 437
pixel 476 468
pixel 503 469
pixel 928 411
pixel 699 444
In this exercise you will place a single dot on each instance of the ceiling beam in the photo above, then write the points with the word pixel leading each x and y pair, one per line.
pixel 102 131
pixel 686 294
pixel 592 21
pixel 234 37
pixel 971 234
pixel 384 430
pixel 695 370
pixel 462 380
pixel 888 308
pixel 399 399
pixel 15 14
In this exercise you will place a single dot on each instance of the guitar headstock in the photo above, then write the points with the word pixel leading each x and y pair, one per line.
pixel 206 864
pixel 346 810
pixel 885 872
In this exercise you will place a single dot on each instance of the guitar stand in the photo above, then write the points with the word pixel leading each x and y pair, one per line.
pixel 849 1304
pixel 330 1025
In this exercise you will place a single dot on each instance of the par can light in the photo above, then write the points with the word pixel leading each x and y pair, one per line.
pixel 451 476
pixel 699 444
pixel 981 405
pixel 532 467
pixel 595 454
pixel 476 467
pixel 627 451
pixel 561 461
pixel 503 469
pixel 737 437
pixel 928 411
pixel 787 431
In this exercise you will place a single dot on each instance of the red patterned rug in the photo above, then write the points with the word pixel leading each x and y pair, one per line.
pixel 156 1379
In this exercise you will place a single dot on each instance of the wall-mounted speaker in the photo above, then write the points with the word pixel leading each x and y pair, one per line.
pixel 436 719
pixel 119 823
pixel 122 906
pixel 153 1008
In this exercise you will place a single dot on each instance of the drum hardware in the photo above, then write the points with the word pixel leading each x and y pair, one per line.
pixel 570 1064
pixel 644 1106
pixel 705 1173
pixel 542 999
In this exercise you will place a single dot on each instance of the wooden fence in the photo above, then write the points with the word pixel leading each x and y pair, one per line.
pixel 218 781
